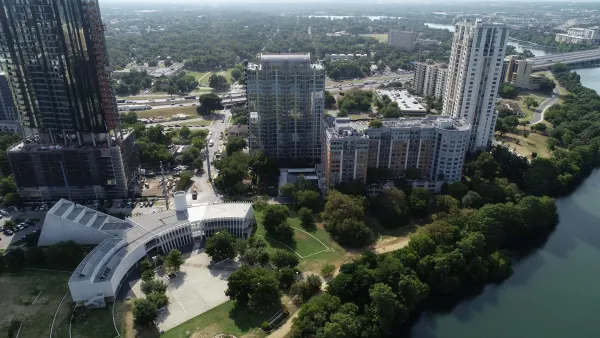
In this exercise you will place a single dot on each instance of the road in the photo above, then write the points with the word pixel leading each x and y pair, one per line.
pixel 206 191
pixel 538 114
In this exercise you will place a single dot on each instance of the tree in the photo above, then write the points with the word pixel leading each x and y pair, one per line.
pixel 147 275
pixel 471 200
pixel 184 179
pixel 418 201
pixel 146 265
pixel 35 256
pixel 307 219
pixel 283 258
pixel 304 290
pixel 130 118
pixel 508 91
pixel 257 255
pixel 256 288
pixel 173 261
pixel 329 100
pixel 314 314
pixel 153 286
pixel 552 143
pixel 218 82
pixel 159 300
pixel 144 312
pixel 447 204
pixel 234 144
pixel 307 199
pixel 547 85
pixel 391 208
pixel 485 166
pixel 275 221
pixel 184 132
pixel 286 277
pixel 65 255
pixel 457 190
pixel 209 103
pixel 384 305
pixel 500 266
pixel 375 124
pixel 531 102
pixel 221 246
pixel 232 171
pixel 328 270
pixel 559 68
pixel 236 74
pixel 344 215
pixel 2 262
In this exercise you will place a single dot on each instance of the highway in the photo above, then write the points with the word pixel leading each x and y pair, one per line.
pixel 545 62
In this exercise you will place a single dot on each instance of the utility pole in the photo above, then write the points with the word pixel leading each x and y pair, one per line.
pixel 164 184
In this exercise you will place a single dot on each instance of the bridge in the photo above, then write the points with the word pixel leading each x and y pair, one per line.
pixel 572 59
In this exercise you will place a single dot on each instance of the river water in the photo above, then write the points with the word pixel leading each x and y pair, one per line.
pixel 553 293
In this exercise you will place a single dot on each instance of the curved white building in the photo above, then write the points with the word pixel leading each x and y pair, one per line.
pixel 122 244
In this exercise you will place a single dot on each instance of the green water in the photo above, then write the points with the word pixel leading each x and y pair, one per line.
pixel 553 293
pixel 590 77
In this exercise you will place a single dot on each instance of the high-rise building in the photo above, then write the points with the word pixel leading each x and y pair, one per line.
pixel 54 55
pixel 430 78
pixel 8 113
pixel 435 146
pixel 474 77
pixel 285 94
pixel 403 40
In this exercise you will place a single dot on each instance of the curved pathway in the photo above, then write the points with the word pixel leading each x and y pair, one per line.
pixel 538 114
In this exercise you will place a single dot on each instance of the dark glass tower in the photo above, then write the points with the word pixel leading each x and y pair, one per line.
pixel 54 56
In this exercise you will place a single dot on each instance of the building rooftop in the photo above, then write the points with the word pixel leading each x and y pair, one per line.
pixel 284 59
pixel 345 127
pixel 135 231
pixel 406 102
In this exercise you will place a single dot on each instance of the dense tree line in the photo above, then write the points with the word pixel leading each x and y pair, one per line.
pixel 355 100
pixel 181 83
pixel 131 83
pixel 463 248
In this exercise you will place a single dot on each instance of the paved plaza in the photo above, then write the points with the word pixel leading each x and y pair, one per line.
pixel 199 287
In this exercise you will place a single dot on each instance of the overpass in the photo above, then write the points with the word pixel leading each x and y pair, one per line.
pixel 572 59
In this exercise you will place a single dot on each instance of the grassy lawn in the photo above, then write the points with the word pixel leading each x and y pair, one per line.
pixel 168 112
pixel 197 75
pixel 383 38
pixel 533 143
pixel 96 323
pixel 520 100
pixel 314 254
pixel 19 290
pixel 222 319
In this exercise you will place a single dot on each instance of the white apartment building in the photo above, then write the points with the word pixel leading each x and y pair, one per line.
pixel 585 36
pixel 435 145
pixel 474 77
pixel 430 78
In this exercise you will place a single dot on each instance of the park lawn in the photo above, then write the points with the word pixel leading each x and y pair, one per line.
pixel 95 323
pixel 539 97
pixel 222 319
pixel 533 143
pixel 383 38
pixel 168 112
pixel 19 290
pixel 314 253
pixel 197 75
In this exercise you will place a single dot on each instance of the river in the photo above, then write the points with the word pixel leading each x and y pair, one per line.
pixel 553 293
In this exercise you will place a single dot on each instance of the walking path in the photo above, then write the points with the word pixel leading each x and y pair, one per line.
pixel 538 114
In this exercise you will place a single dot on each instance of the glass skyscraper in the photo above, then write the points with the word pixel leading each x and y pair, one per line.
pixel 54 55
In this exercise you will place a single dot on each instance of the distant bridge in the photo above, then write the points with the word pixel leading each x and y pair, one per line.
pixel 573 59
